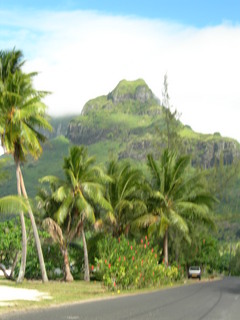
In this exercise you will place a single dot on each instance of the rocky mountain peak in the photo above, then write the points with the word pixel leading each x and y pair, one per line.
pixel 131 90
pixel 130 96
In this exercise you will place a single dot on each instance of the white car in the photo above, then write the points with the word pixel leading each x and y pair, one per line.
pixel 194 272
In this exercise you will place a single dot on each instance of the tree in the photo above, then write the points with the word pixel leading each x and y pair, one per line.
pixel 23 114
pixel 60 233
pixel 125 193
pixel 177 197
pixel 222 179
pixel 170 132
pixel 82 189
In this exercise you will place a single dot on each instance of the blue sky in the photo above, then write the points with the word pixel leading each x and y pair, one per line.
pixel 197 13
pixel 82 49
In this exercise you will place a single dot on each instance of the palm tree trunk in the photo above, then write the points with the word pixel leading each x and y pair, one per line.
pixel 14 265
pixel 86 265
pixel 165 247
pixel 24 233
pixel 35 233
pixel 67 272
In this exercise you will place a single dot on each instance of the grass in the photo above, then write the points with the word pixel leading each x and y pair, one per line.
pixel 61 293
pixel 126 87
pixel 67 293
pixel 188 133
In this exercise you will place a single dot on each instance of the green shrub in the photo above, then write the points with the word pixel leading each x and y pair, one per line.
pixel 235 263
pixel 10 245
pixel 125 264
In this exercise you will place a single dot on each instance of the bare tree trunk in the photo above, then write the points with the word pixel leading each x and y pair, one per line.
pixel 35 232
pixel 24 233
pixel 165 247
pixel 14 265
pixel 67 272
pixel 3 269
pixel 86 265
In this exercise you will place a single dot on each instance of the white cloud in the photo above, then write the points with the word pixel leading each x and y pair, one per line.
pixel 81 55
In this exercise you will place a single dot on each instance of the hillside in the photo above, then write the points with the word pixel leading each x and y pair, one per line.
pixel 128 121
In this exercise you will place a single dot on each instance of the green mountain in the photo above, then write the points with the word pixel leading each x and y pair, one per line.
pixel 126 123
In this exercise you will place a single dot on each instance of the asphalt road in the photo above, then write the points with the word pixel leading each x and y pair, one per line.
pixel 218 300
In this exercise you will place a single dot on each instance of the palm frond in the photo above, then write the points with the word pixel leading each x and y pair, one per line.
pixel 52 180
pixel 54 230
pixel 13 204
pixel 99 225
pixel 154 169
pixel 109 217
pixel 177 221
pixel 94 191
pixel 63 211
pixel 195 212
pixel 84 208
pixel 60 194
pixel 145 221
pixel 164 225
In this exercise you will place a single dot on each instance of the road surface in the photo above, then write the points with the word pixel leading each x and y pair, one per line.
pixel 216 300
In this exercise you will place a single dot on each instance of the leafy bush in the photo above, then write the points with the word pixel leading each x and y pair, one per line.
pixel 125 264
pixel 10 245
pixel 52 257
pixel 235 263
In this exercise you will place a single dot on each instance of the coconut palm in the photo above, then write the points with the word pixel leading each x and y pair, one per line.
pixel 60 234
pixel 82 189
pixel 125 192
pixel 177 197
pixel 23 114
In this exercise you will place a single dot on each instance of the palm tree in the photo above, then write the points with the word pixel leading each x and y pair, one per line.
pixel 82 189
pixel 60 234
pixel 125 192
pixel 22 115
pixel 177 197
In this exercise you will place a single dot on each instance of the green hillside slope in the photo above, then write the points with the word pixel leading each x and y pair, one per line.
pixel 127 123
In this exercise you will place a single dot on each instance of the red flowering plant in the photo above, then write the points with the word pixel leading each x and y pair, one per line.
pixel 125 264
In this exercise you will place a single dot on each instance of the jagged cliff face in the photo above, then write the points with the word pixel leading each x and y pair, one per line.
pixel 129 116
pixel 79 133
pixel 209 153
pixel 59 126
pixel 204 154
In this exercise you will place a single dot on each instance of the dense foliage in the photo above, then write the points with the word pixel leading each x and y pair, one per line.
pixel 133 227
pixel 126 264
pixel 10 248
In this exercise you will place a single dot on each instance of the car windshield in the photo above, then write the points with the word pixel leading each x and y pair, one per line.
pixel 194 268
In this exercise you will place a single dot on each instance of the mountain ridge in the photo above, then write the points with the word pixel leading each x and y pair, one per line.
pixel 130 114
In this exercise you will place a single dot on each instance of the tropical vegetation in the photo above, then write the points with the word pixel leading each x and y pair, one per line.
pixel 22 115
pixel 75 199
pixel 126 224
pixel 176 199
